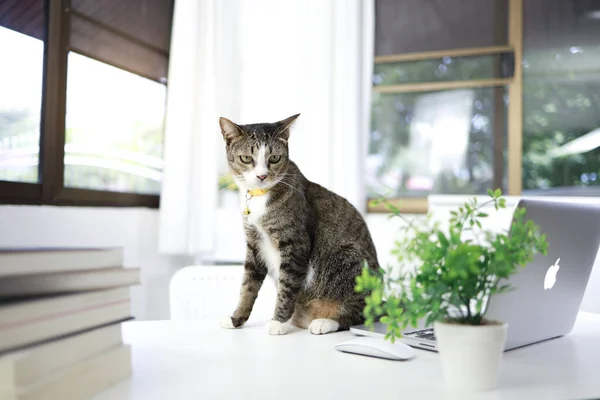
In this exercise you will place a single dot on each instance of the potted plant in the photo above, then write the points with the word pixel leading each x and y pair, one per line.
pixel 457 269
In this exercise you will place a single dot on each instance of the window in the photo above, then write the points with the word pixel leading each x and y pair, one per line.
pixel 477 94
pixel 22 44
pixel 436 142
pixel 440 99
pixel 561 97
pixel 124 152
pixel 81 121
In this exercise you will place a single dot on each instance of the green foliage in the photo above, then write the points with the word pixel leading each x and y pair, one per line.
pixel 458 268
pixel 226 182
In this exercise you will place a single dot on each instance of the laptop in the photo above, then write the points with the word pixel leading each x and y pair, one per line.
pixel 548 292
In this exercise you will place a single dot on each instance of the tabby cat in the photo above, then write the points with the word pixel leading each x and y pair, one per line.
pixel 311 241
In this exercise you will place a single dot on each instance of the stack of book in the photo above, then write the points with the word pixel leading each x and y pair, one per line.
pixel 60 322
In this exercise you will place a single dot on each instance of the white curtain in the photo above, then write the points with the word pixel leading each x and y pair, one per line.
pixel 203 84
pixel 262 61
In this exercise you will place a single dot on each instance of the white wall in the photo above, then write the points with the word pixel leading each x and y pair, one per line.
pixel 135 229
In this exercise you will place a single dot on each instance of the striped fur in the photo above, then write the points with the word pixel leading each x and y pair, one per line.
pixel 309 239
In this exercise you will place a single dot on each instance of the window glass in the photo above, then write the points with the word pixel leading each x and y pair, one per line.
pixel 561 97
pixel 450 142
pixel 134 35
pixel 444 69
pixel 114 128
pixel 410 26
pixel 22 33
pixel 116 94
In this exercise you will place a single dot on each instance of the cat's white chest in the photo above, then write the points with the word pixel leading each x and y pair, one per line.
pixel 257 206
pixel 270 255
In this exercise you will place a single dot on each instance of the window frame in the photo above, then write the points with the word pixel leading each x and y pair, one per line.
pixel 514 112
pixel 50 189
pixel 513 84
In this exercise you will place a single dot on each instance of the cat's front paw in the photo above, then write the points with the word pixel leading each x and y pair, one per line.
pixel 277 328
pixel 227 323
pixel 321 326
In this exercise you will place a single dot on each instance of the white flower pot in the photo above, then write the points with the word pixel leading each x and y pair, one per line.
pixel 471 355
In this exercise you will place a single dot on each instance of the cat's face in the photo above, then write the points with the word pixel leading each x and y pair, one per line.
pixel 258 153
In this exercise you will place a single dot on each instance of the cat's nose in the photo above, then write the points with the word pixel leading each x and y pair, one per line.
pixel 261 177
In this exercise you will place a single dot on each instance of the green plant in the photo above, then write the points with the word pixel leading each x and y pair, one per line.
pixel 226 182
pixel 457 271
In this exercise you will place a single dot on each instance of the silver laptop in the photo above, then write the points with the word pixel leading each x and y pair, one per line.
pixel 542 305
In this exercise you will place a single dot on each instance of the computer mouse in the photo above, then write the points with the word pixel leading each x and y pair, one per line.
pixel 377 347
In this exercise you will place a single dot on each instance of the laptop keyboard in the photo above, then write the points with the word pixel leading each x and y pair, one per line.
pixel 427 334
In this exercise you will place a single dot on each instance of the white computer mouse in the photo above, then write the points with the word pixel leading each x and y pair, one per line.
pixel 377 347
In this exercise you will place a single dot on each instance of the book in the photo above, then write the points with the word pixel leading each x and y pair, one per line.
pixel 46 260
pixel 31 321
pixel 68 282
pixel 80 381
pixel 23 368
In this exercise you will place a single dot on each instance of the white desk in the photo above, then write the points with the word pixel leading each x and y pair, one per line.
pixel 193 360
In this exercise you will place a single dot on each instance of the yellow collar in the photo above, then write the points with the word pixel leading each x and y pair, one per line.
pixel 250 194
pixel 257 192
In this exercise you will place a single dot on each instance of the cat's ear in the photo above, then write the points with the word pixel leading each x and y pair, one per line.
pixel 284 126
pixel 229 129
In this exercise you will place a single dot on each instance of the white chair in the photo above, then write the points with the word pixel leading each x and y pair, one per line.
pixel 211 292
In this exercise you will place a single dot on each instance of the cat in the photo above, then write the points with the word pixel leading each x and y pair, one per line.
pixel 311 241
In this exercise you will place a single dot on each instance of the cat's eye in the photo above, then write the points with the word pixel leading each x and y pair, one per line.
pixel 246 159
pixel 274 159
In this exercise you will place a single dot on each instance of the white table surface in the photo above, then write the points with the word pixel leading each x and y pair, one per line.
pixel 198 360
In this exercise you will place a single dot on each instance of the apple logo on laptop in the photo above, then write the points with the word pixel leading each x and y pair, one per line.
pixel 550 278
